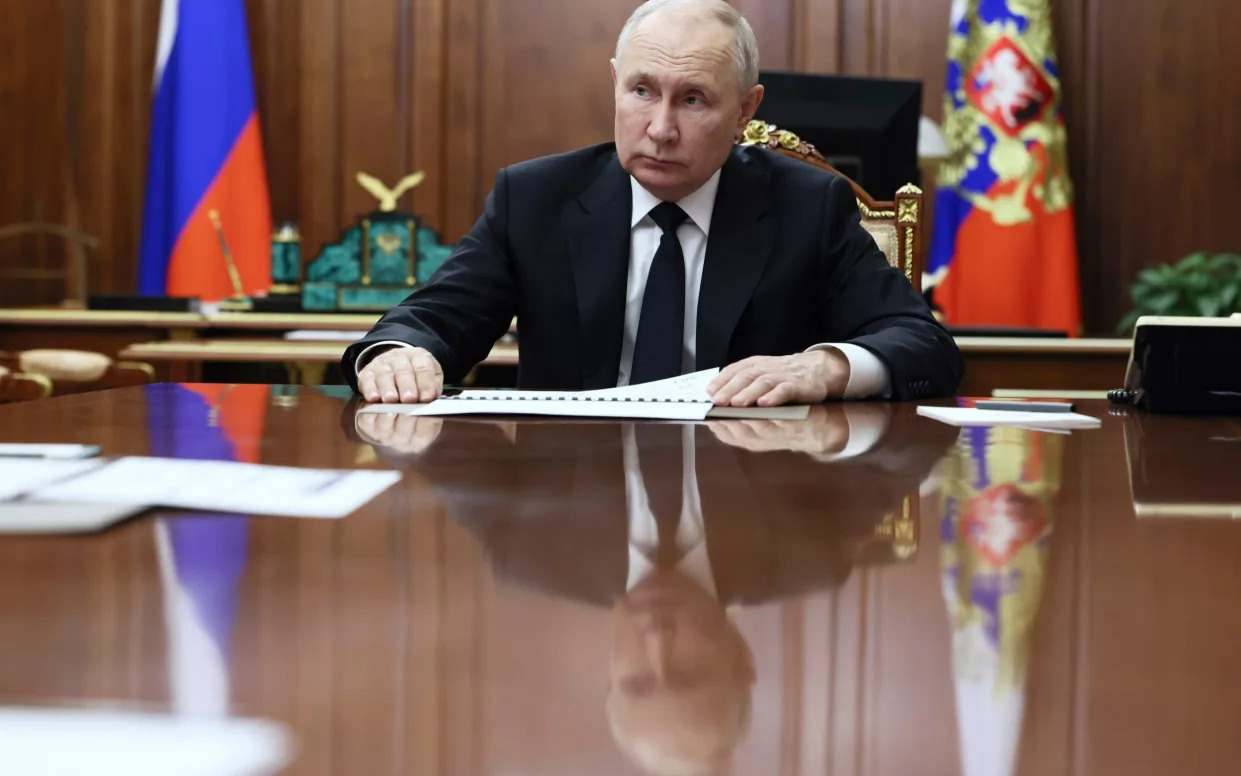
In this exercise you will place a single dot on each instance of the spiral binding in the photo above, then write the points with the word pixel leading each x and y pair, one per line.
pixel 622 399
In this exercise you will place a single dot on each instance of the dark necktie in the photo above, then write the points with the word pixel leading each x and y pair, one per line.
pixel 659 459
pixel 661 327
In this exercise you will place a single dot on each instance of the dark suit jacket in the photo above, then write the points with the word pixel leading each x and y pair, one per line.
pixel 788 265
pixel 549 511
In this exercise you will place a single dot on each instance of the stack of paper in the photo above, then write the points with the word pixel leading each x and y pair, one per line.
pixel 970 416
pixel 49 496
pixel 677 398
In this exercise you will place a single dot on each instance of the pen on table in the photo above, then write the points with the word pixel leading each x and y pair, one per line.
pixel 1025 406
pixel 48 451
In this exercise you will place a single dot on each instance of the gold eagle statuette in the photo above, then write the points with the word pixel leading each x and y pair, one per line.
pixel 387 197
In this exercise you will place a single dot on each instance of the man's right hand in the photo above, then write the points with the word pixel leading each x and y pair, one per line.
pixel 408 375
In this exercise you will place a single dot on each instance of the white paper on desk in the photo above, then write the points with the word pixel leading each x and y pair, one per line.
pixel 223 486
pixel 21 475
pixel 676 398
pixel 55 517
pixel 103 742
pixel 971 416
pixel 559 408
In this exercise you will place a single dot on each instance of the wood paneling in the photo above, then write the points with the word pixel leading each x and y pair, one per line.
pixel 459 88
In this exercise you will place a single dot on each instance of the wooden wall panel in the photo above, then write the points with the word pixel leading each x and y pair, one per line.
pixel 34 182
pixel 459 88
pixel 319 119
pixel 1168 115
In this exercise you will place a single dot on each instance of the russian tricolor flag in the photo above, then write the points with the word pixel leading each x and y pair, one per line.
pixel 206 154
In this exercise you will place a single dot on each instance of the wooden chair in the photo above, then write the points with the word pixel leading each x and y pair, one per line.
pixel 74 271
pixel 16 386
pixel 896 226
pixel 78 371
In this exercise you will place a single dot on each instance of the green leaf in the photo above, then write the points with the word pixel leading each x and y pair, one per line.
pixel 1193 262
pixel 1228 299
pixel 1162 303
pixel 1209 306
pixel 1150 276
pixel 1127 323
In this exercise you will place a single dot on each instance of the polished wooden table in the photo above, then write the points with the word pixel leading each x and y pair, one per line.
pixel 892 596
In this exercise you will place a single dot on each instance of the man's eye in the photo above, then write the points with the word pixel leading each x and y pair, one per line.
pixel 692 100
pixel 641 91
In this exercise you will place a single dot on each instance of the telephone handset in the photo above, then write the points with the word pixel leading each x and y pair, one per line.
pixel 1184 364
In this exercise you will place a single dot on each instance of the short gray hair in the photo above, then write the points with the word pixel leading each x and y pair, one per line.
pixel 745 45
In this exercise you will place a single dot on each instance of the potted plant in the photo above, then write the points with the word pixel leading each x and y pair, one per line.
pixel 1202 284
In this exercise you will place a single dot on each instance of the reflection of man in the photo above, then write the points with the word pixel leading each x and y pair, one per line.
pixel 669 525
pixel 669 250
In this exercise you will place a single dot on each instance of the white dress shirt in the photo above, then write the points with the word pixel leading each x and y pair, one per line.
pixel 691 537
pixel 865 431
pixel 867 374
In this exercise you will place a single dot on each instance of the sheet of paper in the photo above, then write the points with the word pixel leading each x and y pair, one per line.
pixel 690 387
pixel 52 517
pixel 582 409
pixel 20 475
pixel 677 398
pixel 970 416
pixel 563 408
pixel 223 486
pixel 104 742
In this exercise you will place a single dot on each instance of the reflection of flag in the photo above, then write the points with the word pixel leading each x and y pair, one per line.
pixel 996 490
pixel 1003 247
pixel 202 557
pixel 205 154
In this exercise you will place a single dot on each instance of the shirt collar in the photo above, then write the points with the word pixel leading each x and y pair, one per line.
pixel 698 206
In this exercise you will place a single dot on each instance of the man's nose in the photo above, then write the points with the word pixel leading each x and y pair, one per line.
pixel 660 632
pixel 663 126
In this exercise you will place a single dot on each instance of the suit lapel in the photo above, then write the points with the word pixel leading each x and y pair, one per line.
pixel 598 226
pixel 743 231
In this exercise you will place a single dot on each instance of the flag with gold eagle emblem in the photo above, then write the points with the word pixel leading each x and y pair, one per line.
pixel 1003 248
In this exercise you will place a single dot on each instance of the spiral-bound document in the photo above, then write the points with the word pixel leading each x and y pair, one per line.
pixel 677 398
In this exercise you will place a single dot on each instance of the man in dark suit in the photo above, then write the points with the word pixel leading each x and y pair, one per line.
pixel 669 525
pixel 668 251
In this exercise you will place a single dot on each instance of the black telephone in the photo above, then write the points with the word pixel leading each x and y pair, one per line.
pixel 1184 364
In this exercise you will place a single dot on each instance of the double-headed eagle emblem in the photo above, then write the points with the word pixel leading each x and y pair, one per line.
pixel 387 197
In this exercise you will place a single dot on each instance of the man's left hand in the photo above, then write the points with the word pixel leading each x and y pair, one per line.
pixel 769 381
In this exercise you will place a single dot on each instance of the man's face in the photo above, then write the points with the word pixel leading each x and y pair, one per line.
pixel 679 106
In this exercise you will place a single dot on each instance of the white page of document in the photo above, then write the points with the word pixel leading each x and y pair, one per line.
pixel 971 416
pixel 563 408
pixel 677 398
pixel 106 742
pixel 223 486
pixel 21 475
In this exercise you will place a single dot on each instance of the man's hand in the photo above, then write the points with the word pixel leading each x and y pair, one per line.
pixel 825 431
pixel 409 375
pixel 404 434
pixel 769 381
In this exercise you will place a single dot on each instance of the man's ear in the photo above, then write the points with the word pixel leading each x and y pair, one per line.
pixel 749 104
pixel 612 64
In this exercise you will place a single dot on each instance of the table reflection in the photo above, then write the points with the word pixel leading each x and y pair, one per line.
pixel 673 527
pixel 996 493
pixel 1183 467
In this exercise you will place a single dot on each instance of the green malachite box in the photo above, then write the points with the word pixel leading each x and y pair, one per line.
pixel 374 265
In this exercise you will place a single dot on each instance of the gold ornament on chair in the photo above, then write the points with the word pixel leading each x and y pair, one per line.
pixel 387 197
